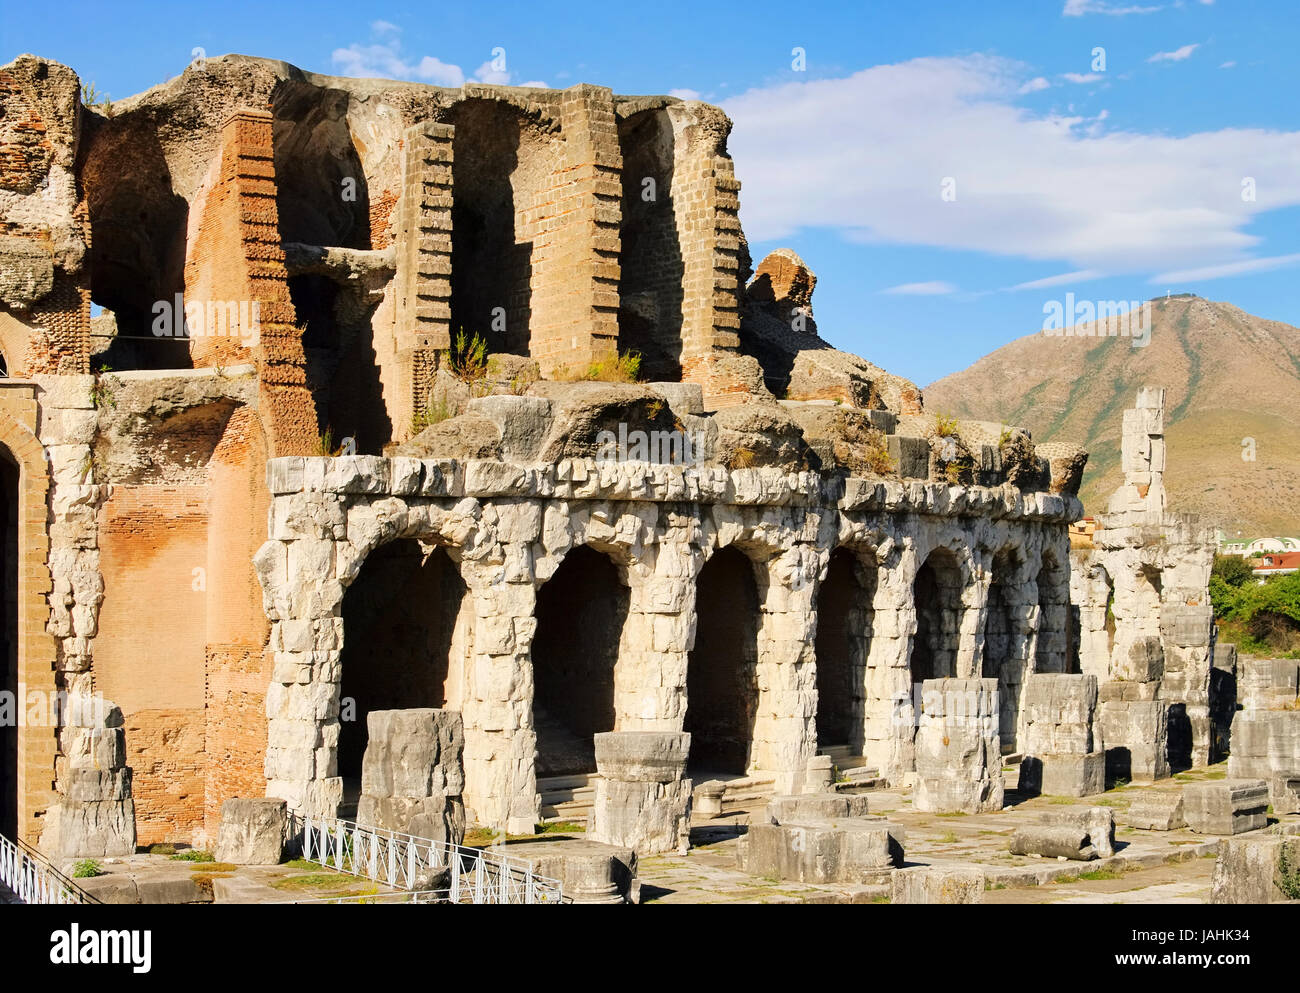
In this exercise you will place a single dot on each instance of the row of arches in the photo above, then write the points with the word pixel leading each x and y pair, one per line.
pixel 408 615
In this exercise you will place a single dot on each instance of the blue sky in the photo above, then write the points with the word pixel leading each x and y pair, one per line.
pixel 1114 182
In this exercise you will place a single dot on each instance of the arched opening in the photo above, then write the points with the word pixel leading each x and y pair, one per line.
pixel 936 594
pixel 137 246
pixel 499 166
pixel 1056 648
pixel 1004 650
pixel 844 621
pixel 721 671
pixel 402 628
pixel 650 255
pixel 9 642
pixel 580 616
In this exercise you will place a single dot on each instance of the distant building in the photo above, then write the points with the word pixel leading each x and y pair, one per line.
pixel 1257 547
pixel 1278 564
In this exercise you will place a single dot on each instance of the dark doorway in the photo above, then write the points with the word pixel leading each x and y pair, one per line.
pixel 844 619
pixel 937 596
pixel 580 615
pixel 1004 649
pixel 721 672
pixel 399 617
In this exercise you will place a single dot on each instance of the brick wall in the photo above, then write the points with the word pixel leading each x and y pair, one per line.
pixel 236 257
pixel 424 262
pixel 574 229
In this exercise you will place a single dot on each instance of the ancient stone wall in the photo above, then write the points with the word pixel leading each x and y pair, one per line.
pixel 509 526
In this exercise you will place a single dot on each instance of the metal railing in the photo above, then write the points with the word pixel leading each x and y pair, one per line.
pixel 404 862
pixel 33 880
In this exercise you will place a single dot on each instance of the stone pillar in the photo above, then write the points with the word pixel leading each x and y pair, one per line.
pixel 95 816
pixel 411 776
pixel 889 711
pixel 1143 458
pixel 958 759
pixel 1063 756
pixel 575 236
pixel 500 740
pixel 642 801
pixel 1135 731
pixel 423 280
pixel 785 726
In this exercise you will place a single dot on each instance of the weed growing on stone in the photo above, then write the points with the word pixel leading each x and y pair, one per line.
pixel 86 869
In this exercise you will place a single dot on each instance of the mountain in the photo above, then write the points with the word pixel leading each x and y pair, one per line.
pixel 1229 377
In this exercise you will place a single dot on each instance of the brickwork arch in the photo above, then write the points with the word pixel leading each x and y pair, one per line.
pixel 32 790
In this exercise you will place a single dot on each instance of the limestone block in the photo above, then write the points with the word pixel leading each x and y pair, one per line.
pixel 253 831
pixel 1253 870
pixel 938 884
pixel 958 760
pixel 412 775
pixel 642 756
pixel 94 829
pixel 1229 806
pixel 641 800
pixel 1155 810
pixel 810 807
pixel 1063 775
pixel 590 872
pixel 1284 792
pixel 1098 822
pixel 1053 841
pixel 1136 733
pixel 1058 711
pixel 707 800
pixel 854 851
pixel 820 775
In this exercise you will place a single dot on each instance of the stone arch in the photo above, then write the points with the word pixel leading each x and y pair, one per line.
pixel 403 633
pixel 722 663
pixel 1007 634
pixel 1056 648
pixel 581 612
pixel 845 619
pixel 939 597
pixel 28 650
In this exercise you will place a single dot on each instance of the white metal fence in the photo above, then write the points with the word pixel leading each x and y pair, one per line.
pixel 419 864
pixel 33 880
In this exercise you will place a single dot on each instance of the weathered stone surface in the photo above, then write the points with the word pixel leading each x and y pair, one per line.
pixel 641 800
pixel 849 851
pixel 1063 775
pixel 1053 841
pixel 253 831
pixel 1226 807
pixel 1097 822
pixel 1258 869
pixel 707 799
pixel 591 872
pixel 958 759
pixel 90 829
pixel 807 808
pixel 1284 792
pixel 938 884
pixel 411 776
pixel 1155 810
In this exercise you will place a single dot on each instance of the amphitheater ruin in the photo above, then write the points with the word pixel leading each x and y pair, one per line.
pixel 264 491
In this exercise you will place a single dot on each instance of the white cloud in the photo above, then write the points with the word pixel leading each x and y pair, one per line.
pixel 931 289
pixel 1228 269
pixel 1082 77
pixel 383 59
pixel 1177 55
pixel 1227 65
pixel 867 155
pixel 684 94
pixel 1062 279
pixel 1034 85
pixel 1077 8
